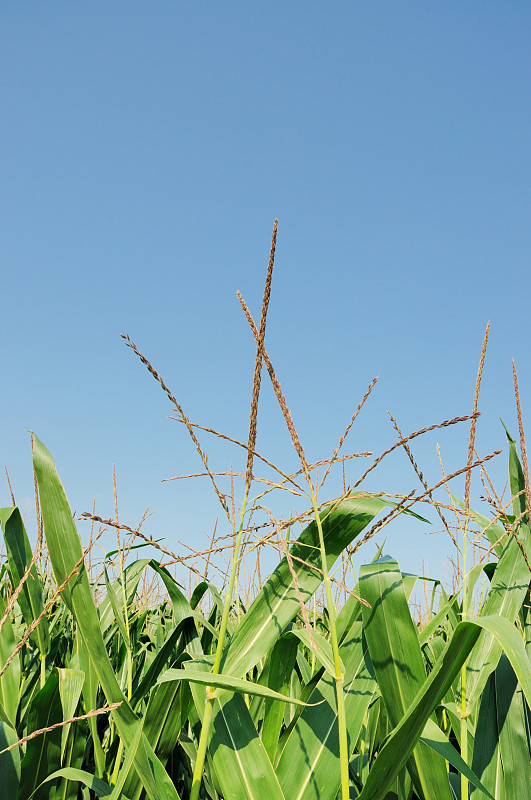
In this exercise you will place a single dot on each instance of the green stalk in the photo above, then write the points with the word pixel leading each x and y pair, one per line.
pixel 338 677
pixel 464 712
pixel 129 668
pixel 42 659
pixel 210 692
pixel 464 615
pixel 202 746
pixel 315 628
pixel 362 748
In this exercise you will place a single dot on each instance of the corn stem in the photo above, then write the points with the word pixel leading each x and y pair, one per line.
pixel 338 677
pixel 210 692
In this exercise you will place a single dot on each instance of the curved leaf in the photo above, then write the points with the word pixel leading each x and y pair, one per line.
pixel 98 786
pixel 223 681
pixel 19 557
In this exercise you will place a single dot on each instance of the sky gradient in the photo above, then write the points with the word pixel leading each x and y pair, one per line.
pixel 147 149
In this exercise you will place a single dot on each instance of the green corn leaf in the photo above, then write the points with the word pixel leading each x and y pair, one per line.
pixel 101 789
pixel 163 719
pixel 513 742
pixel 74 757
pixel 223 681
pixel 242 766
pixel 117 610
pixel 435 738
pixel 9 763
pixel 436 621
pixel 127 766
pixel 182 611
pixel 70 686
pixel 472 578
pixel 281 663
pixel 320 646
pixel 10 680
pixel 19 557
pixel 486 759
pixel 150 677
pixel 166 713
pixel 352 608
pixel 43 753
pixel 90 696
pixel 526 625
pixel 131 577
pixel 304 667
pixel 348 614
pixel 199 592
pixel 454 717
pixel 162 724
pixel 398 663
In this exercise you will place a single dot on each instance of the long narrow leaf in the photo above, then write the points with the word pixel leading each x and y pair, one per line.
pixel 397 661
pixel 101 789
pixel 223 681
pixel 10 680
pixel 19 557
pixel 43 753
pixel 435 738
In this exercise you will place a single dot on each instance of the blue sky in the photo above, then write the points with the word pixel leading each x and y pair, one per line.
pixel 147 149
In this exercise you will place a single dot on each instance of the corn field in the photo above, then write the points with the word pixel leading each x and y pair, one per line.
pixel 290 694
pixel 110 700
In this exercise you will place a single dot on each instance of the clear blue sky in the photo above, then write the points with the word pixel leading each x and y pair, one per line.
pixel 146 150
